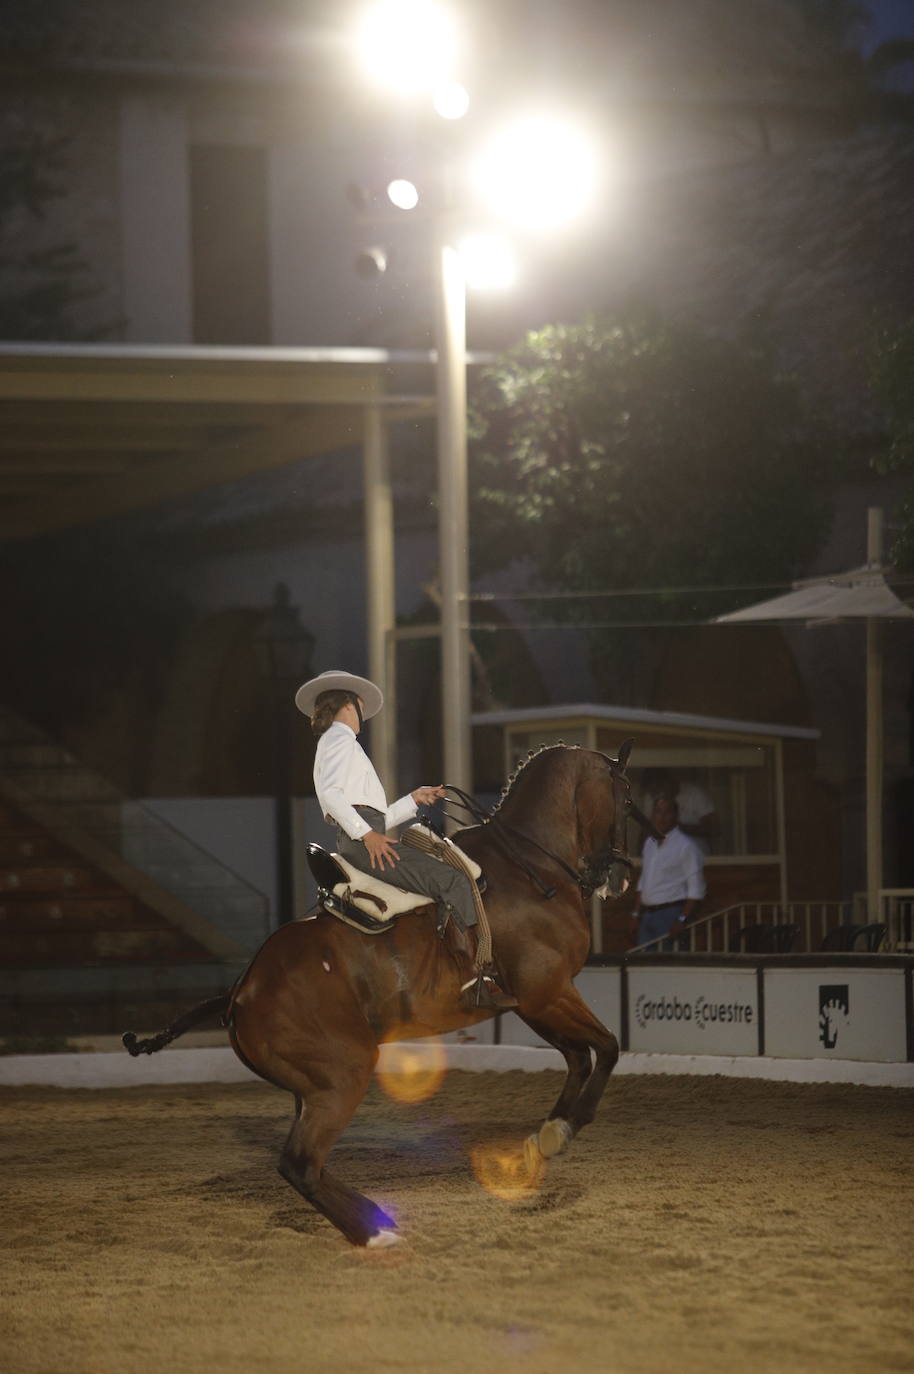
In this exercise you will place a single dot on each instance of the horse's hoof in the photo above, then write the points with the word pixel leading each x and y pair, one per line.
pixel 382 1239
pixel 533 1156
pixel 554 1137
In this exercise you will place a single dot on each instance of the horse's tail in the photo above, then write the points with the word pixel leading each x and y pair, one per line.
pixel 216 1006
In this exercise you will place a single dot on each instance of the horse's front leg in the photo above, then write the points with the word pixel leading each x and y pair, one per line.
pixel 569 1024
pixel 578 1060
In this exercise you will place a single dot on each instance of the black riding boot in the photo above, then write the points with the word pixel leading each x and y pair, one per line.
pixel 479 986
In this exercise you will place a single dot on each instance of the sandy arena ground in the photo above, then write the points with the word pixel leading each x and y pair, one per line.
pixel 701 1224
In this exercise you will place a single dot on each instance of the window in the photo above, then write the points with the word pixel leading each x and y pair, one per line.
pixel 230 244
pixel 733 781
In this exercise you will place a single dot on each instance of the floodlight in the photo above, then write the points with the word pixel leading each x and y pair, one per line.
pixel 409 45
pixel 371 262
pixel 540 171
pixel 403 194
pixel 487 262
pixel 451 100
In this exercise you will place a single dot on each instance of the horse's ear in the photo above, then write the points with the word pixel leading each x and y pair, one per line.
pixel 624 750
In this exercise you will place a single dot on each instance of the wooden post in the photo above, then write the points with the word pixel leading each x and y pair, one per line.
pixel 874 730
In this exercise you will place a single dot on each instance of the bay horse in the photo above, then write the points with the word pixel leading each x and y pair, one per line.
pixel 319 998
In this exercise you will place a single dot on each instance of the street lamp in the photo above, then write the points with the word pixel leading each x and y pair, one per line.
pixel 487 262
pixel 451 100
pixel 539 171
pixel 284 652
pixel 408 46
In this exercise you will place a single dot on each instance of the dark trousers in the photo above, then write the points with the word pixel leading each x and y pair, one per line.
pixel 415 871
pixel 659 921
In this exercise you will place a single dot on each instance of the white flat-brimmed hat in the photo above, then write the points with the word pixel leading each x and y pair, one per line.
pixel 336 680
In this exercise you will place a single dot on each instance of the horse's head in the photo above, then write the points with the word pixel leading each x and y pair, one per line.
pixel 592 835
pixel 603 802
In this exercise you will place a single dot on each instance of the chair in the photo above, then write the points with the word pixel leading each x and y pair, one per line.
pixel 757 939
pixel 840 939
pixel 870 938
pixel 785 936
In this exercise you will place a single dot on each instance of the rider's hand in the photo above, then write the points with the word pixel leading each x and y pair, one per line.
pixel 427 796
pixel 381 851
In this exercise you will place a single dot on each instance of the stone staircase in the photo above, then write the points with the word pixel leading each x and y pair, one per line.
pixel 108 916
pixel 56 910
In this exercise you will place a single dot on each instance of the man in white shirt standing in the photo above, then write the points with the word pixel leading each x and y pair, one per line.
pixel 352 797
pixel 672 878
pixel 697 816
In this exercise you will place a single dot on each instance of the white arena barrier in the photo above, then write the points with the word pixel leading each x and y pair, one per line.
pixel 800 1018
pixel 176 1066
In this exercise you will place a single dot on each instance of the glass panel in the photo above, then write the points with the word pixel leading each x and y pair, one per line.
pixel 725 791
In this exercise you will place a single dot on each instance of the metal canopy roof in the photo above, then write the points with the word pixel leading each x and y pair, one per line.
pixel 860 594
pixel 637 715
pixel 89 431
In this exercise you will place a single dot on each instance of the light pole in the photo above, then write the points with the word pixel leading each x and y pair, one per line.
pixel 410 46
pixel 537 170
pixel 453 531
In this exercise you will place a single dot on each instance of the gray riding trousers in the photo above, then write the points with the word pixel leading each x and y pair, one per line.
pixel 415 871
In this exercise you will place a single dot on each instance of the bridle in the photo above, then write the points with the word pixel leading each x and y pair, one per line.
pixel 596 868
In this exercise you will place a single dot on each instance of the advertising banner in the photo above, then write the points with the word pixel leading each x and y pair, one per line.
pixel 834 1012
pixel 693 1011
pixel 600 989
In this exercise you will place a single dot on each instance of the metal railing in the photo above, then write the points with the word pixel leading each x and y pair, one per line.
pixel 895 912
pixel 756 927
pixel 38 769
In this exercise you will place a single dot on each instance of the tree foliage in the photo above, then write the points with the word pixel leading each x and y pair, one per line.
pixel 39 286
pixel 834 23
pixel 631 453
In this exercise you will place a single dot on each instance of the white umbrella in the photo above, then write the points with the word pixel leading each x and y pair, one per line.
pixel 861 594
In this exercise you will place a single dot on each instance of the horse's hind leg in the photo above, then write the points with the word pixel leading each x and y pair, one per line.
pixel 322 1115
pixel 570 1025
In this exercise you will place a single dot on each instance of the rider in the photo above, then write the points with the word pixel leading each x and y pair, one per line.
pixel 351 796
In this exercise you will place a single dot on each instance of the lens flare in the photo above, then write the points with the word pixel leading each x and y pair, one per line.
pixel 411 1071
pixel 507 1171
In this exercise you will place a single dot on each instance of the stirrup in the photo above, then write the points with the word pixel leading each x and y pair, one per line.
pixel 482 991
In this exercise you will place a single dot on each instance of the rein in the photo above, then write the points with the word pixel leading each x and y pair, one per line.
pixel 547 892
pixel 588 881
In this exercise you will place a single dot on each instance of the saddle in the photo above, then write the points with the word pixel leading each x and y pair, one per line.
pixel 364 901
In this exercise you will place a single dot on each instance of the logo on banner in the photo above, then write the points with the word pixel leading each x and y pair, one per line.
pixel 700 1011
pixel 834 1012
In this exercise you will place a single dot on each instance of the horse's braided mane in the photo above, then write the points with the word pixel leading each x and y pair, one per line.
pixel 524 763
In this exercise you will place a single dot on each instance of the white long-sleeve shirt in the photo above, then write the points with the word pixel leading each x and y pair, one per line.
pixel 344 778
pixel 672 871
